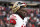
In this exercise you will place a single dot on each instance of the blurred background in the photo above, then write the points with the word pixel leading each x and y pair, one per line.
pixel 6 11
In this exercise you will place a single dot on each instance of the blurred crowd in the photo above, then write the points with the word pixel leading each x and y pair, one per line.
pixel 34 15
pixel 5 12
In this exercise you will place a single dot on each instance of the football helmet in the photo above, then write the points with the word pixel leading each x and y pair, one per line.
pixel 17 5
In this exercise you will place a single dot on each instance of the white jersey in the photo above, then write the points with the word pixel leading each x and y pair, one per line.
pixel 19 21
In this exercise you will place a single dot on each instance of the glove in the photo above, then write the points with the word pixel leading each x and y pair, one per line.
pixel 12 21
